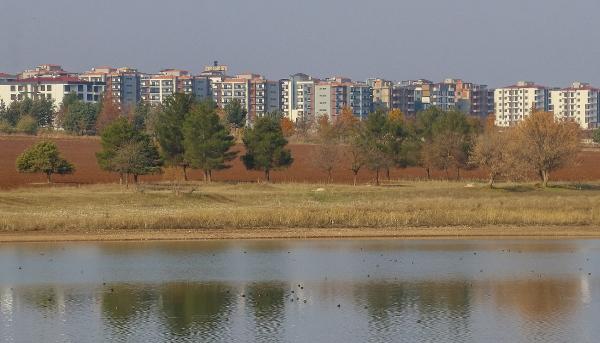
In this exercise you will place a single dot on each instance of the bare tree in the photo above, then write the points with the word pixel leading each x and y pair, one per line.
pixel 327 157
pixel 492 153
pixel 547 144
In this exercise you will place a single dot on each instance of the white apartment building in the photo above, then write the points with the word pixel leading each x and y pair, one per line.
pixel 51 88
pixel 297 96
pixel 580 103
pixel 514 103
pixel 156 88
pixel 256 94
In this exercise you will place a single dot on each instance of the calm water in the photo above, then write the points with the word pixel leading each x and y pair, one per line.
pixel 302 291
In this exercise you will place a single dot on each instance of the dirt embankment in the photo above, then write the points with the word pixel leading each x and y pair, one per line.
pixel 81 151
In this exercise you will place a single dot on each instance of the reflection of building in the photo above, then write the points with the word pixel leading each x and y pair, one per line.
pixel 514 103
pixel 580 103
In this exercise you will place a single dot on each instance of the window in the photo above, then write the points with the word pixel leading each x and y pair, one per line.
pixel 42 88
pixel 49 88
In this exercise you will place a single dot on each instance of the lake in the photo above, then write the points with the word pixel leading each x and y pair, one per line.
pixel 301 291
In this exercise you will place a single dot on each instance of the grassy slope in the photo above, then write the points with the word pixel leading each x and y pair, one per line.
pixel 241 206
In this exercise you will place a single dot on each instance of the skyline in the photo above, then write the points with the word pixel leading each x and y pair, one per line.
pixel 362 40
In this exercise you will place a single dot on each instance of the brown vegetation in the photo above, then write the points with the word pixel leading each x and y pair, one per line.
pixel 81 152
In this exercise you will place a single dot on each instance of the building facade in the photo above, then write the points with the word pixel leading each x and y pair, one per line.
pixel 382 93
pixel 51 88
pixel 256 94
pixel 333 94
pixel 579 103
pixel 298 97
pixel 122 84
pixel 514 103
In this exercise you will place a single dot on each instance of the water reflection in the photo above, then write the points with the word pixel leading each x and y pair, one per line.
pixel 288 292
pixel 266 302
pixel 189 308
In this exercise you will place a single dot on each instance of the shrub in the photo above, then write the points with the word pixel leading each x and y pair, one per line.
pixel 27 124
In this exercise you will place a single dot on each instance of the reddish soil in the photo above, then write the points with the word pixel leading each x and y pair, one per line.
pixel 81 152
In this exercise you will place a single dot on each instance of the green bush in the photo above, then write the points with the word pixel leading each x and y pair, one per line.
pixel 5 127
pixel 27 124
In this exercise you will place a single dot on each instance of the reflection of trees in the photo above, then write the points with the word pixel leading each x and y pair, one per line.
pixel 389 304
pixel 194 305
pixel 267 301
pixel 429 297
pixel 44 299
pixel 537 299
pixel 121 304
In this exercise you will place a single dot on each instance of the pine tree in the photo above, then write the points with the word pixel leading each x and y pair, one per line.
pixel 169 127
pixel 265 146
pixel 207 142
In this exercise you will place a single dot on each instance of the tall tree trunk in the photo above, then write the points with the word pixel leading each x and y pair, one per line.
pixel 377 176
pixel 48 177
pixel 545 178
pixel 185 177
pixel 457 173
pixel 428 173
pixel 354 177
pixel 387 173
pixel 267 175
pixel 120 179
pixel 447 176
pixel 491 181
pixel 205 175
pixel 126 180
pixel 135 178
pixel 329 177
pixel 209 173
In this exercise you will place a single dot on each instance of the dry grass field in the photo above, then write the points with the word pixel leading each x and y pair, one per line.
pixel 197 206
pixel 81 151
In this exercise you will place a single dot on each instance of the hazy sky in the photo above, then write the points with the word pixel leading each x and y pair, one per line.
pixel 552 42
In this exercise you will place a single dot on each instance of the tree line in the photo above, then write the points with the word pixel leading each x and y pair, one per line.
pixel 189 134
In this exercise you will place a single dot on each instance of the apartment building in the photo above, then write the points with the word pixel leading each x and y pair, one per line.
pixel 298 96
pixel 52 88
pixel 579 103
pixel 7 77
pixel 513 103
pixel 412 96
pixel 472 98
pixel 124 84
pixel 155 88
pixel 44 70
pixel 257 95
pixel 333 94
pixel 382 93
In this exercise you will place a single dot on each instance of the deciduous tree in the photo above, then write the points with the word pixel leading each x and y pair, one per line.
pixel 44 157
pixel 547 144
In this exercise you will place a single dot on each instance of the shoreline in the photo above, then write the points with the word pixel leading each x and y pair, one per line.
pixel 542 232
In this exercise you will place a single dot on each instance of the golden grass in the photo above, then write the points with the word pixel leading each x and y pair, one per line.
pixel 247 206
